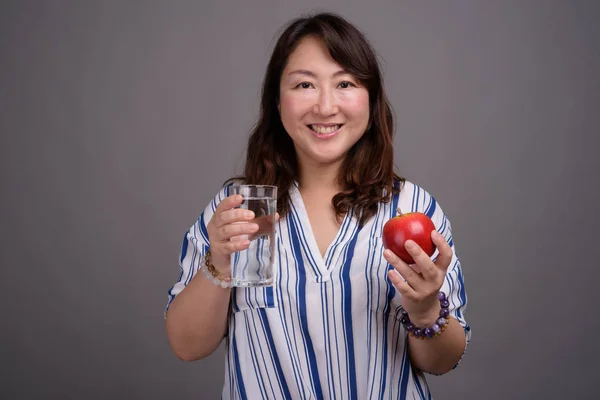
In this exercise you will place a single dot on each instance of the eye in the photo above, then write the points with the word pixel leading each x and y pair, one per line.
pixel 346 84
pixel 304 85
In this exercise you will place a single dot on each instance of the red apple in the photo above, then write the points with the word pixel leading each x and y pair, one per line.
pixel 414 226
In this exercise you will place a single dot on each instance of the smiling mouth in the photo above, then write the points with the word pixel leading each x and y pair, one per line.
pixel 325 130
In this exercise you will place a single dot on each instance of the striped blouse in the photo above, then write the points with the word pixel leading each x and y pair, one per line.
pixel 329 327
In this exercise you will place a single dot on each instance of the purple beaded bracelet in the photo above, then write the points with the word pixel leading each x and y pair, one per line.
pixel 437 328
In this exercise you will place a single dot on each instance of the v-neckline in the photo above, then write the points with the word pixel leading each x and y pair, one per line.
pixel 325 268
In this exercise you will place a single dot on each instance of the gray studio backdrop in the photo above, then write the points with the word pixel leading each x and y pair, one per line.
pixel 120 120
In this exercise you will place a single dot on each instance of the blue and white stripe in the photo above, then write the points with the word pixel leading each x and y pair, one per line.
pixel 329 327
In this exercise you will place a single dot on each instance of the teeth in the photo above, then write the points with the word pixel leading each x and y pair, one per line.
pixel 324 130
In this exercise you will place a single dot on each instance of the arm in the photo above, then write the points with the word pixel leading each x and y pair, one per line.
pixel 438 355
pixel 419 288
pixel 197 312
pixel 197 319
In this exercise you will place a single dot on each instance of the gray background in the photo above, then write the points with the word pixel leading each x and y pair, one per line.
pixel 120 120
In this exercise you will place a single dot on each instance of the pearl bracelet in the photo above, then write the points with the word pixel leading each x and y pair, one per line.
pixel 434 330
pixel 211 273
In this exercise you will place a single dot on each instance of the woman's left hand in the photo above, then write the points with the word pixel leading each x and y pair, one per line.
pixel 422 280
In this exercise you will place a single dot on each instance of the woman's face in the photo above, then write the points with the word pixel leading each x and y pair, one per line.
pixel 324 109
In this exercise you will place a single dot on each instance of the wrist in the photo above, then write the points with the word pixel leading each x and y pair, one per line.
pixel 427 318
pixel 213 274
pixel 423 328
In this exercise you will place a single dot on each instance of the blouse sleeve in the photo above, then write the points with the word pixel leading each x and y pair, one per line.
pixel 194 246
pixel 454 283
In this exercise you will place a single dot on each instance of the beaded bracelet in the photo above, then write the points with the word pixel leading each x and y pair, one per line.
pixel 434 330
pixel 213 275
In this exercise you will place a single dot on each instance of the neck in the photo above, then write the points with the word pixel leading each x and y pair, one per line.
pixel 319 177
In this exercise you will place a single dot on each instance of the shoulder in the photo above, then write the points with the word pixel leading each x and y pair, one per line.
pixel 415 198
pixel 233 181
pixel 219 196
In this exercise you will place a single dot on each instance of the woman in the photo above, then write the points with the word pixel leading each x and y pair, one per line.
pixel 345 318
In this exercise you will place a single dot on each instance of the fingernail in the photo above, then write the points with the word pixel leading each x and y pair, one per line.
pixel 389 254
pixel 436 234
pixel 410 245
pixel 250 214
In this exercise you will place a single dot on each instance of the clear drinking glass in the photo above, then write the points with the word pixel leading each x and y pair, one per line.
pixel 254 266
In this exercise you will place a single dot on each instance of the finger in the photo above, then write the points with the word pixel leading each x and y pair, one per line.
pixel 230 230
pixel 234 215
pixel 236 245
pixel 422 260
pixel 227 204
pixel 410 275
pixel 400 285
pixel 230 202
pixel 239 237
pixel 415 267
pixel 445 251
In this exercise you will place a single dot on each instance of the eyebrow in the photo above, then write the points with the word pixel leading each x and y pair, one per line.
pixel 312 74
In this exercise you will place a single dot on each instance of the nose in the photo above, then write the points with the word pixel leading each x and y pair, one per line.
pixel 326 104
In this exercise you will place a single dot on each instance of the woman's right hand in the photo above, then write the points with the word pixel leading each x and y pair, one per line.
pixel 228 231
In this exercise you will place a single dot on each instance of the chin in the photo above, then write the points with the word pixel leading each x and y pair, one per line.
pixel 328 159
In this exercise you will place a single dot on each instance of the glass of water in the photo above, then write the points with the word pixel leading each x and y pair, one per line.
pixel 254 265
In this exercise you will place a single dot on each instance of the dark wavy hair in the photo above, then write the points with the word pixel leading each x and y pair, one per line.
pixel 367 174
